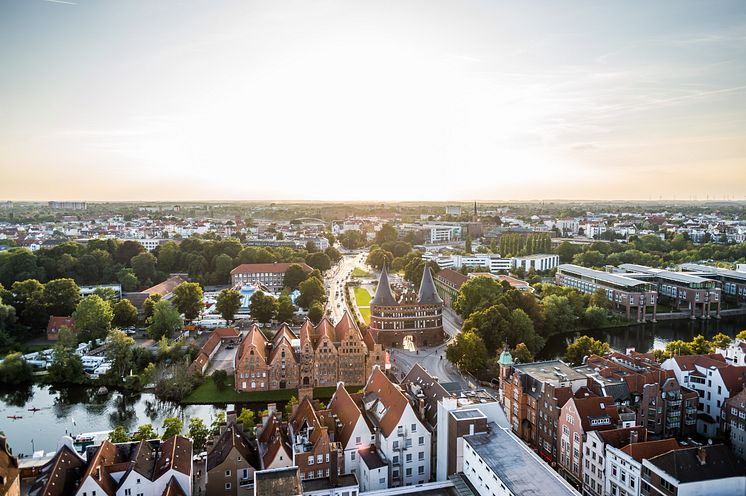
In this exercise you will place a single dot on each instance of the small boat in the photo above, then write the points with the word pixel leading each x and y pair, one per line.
pixel 14 417
pixel 102 391
pixel 34 409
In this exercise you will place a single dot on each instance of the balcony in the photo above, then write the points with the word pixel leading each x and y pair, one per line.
pixel 674 403
pixel 690 410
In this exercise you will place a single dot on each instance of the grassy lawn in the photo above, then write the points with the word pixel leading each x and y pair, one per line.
pixel 362 300
pixel 208 393
pixel 358 272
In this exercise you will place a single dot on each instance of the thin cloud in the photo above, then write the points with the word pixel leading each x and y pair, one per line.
pixel 61 1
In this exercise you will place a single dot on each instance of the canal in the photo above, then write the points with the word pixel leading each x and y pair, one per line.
pixel 75 410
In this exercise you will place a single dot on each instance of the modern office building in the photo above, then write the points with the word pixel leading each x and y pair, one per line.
pixel 627 294
pixel 732 282
pixel 269 275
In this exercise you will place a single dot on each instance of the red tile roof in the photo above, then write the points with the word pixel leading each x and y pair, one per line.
pixel 56 323
pixel 380 388
pixel 688 362
pixel 649 449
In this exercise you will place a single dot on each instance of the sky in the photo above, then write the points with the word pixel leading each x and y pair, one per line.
pixel 379 100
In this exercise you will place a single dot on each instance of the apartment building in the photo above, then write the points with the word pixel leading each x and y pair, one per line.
pixel 496 463
pixel 448 283
pixel 440 233
pixel 734 423
pixel 623 471
pixel 594 458
pixel 401 438
pixel 705 470
pixel 539 262
pixel 714 380
pixel 627 294
pixel 269 275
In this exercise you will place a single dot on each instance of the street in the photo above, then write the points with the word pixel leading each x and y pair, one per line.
pixel 335 282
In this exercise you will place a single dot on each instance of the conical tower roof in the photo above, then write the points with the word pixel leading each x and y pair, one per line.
pixel 427 294
pixel 383 291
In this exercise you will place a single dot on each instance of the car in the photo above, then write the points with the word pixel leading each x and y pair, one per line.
pixel 229 347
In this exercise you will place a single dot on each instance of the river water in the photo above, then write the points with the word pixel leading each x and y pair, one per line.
pixel 75 410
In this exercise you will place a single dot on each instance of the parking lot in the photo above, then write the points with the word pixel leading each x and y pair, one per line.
pixel 223 359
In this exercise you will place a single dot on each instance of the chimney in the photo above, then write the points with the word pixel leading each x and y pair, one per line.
pixel 633 437
pixel 333 464
pixel 702 455
pixel 304 392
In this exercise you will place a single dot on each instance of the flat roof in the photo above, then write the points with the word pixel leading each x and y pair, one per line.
pixel 548 371
pixel 517 467
pixel 735 274
pixel 617 279
pixel 343 481
pixel 666 274
pixel 469 413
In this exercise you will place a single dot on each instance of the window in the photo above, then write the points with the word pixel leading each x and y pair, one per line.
pixel 352 455
pixel 227 485
pixel 408 458
pixel 127 492
pixel 382 480
pixel 421 455
pixel 310 460
pixel 396 445
pixel 414 426
pixel 319 458
pixel 421 469
pixel 358 440
pixel 408 472
pixel 227 473
pixel 422 440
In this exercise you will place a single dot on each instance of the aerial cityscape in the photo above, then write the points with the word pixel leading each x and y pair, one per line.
pixel 372 248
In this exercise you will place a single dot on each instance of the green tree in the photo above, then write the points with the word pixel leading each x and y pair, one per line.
pixel 106 294
pixel 28 300
pixel 144 432
pixel 595 317
pixel 119 351
pixel 559 314
pixel 246 418
pixel 585 346
pixel 165 320
pixel 285 309
pixel 93 318
pixel 599 299
pixel 567 251
pixel 148 304
pixel 119 435
pixel 311 246
pixel 125 314
pixel 468 352
pixel 700 346
pixel 198 431
pixel 14 370
pixel 228 303
pixel 521 354
pixel 143 264
pixel 294 276
pixel 467 244
pixel 315 313
pixel 721 341
pixel 172 427
pixel 66 366
pixel 220 378
pixel 386 233
pixel 379 257
pixel 333 254
pixel 61 296
pixel 352 239
pixel 477 293
pixel 188 299
pixel 217 422
pixel 319 260
pixel 127 279
pixel 262 307
pixel 127 250
pixel 312 289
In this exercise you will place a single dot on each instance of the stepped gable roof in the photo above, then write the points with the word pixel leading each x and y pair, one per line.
pixel 369 341
pixel 685 464
pixel 173 488
pixel 649 449
pixel 254 338
pixel 233 437
pixel 325 328
pixel 347 412
pixel 689 362
pixel 384 400
pixel 344 326
pixel 383 294
pixel 283 332
pixel 306 332
pixel 176 454
pixel 427 294
pixel 59 476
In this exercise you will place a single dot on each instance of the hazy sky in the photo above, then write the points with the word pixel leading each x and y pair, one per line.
pixel 167 100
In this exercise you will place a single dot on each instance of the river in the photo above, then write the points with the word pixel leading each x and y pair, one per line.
pixel 77 409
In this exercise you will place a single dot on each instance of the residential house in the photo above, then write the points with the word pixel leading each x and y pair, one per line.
pixel 55 324
pixel 594 457
pixel 232 459
pixel 624 465
pixel 734 423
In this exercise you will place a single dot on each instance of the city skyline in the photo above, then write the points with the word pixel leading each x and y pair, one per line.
pixel 490 101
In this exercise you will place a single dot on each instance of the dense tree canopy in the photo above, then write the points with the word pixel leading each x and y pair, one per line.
pixel 262 307
pixel 228 303
pixel 188 299
pixel 585 346
pixel 164 321
pixel 93 318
